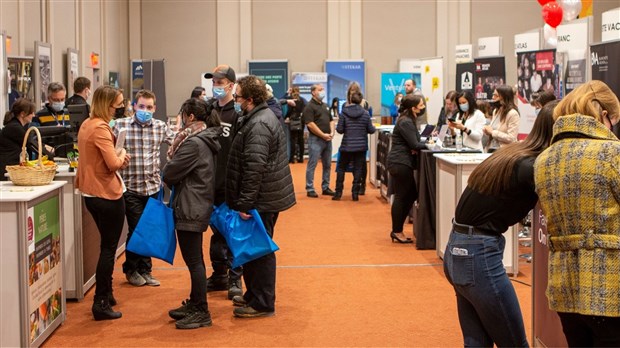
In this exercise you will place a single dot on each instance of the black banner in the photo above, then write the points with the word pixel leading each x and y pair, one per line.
pixel 490 73
pixel 465 73
pixel 605 58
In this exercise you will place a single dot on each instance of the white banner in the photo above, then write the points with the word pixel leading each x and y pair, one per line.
pixel 489 46
pixel 610 26
pixel 527 42
pixel 573 36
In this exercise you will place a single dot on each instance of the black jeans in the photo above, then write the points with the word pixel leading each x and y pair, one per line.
pixel 297 145
pixel 260 275
pixel 590 330
pixel 405 193
pixel 109 216
pixel 190 244
pixel 221 257
pixel 134 206
pixel 359 163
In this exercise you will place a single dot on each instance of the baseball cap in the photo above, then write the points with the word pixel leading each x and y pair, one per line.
pixel 222 72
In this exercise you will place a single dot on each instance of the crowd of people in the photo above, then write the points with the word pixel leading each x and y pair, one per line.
pixel 569 162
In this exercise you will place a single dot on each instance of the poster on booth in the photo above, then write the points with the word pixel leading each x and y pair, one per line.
pixel 465 77
pixel 340 75
pixel 137 76
pixel 44 268
pixel 605 58
pixel 490 73
pixel 274 72
pixel 573 40
pixel 536 71
pixel 393 83
pixel 305 80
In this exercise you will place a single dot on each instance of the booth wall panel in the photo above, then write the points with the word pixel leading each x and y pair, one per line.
pixel 116 41
pixel 32 29
pixel 62 36
pixel 10 22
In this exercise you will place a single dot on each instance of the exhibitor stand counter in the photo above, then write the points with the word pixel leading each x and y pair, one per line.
pixel 453 170
pixel 33 302
pixel 81 239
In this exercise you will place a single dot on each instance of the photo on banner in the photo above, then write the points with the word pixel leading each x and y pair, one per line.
pixel 536 72
pixel 490 73
pixel 21 75
pixel 305 80
pixel 391 84
pixel 340 74
pixel 274 72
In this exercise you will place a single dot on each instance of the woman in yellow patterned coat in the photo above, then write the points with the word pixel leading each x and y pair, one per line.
pixel 578 183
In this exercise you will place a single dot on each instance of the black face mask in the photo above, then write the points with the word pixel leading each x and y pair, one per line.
pixel 421 112
pixel 120 112
pixel 495 103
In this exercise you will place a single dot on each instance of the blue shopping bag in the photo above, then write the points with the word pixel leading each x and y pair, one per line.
pixel 247 239
pixel 154 235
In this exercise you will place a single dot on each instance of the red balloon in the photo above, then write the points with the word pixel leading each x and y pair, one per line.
pixel 543 2
pixel 552 14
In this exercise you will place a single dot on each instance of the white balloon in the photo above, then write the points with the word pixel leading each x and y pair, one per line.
pixel 570 8
pixel 551 36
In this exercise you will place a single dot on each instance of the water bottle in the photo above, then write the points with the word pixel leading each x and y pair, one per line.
pixel 459 142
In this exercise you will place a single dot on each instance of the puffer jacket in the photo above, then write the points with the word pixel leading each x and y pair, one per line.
pixel 258 176
pixel 578 184
pixel 191 172
pixel 355 123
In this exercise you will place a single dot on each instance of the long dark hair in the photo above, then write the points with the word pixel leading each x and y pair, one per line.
pixel 197 92
pixel 202 110
pixel 408 102
pixel 493 175
pixel 471 100
pixel 508 97
pixel 19 106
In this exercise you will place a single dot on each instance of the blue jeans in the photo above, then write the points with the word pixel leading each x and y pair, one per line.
pixel 318 148
pixel 487 304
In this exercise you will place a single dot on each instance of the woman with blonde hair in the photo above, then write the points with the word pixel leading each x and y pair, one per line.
pixel 578 183
pixel 103 189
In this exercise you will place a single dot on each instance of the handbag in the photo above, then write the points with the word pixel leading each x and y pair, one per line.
pixel 295 124
pixel 247 239
pixel 154 235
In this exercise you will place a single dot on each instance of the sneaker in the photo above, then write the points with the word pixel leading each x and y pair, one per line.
pixel 181 312
pixel 150 280
pixel 217 283
pixel 234 288
pixel 135 279
pixel 312 194
pixel 239 301
pixel 194 319
pixel 328 192
pixel 249 312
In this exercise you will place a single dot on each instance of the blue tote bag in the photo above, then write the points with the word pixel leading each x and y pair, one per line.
pixel 247 239
pixel 154 235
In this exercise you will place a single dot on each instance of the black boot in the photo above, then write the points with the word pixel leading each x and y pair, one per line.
pixel 111 299
pixel 102 309
pixel 362 190
pixel 337 196
pixel 356 191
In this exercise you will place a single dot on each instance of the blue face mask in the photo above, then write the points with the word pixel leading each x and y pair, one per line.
pixel 238 107
pixel 112 123
pixel 321 95
pixel 464 107
pixel 219 92
pixel 143 116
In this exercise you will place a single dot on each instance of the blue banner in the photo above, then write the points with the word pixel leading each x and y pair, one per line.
pixel 273 72
pixel 340 74
pixel 393 83
pixel 137 76
pixel 305 81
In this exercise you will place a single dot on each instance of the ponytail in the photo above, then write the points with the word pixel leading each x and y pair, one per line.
pixel 21 105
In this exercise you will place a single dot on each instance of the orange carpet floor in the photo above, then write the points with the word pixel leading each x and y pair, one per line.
pixel 340 282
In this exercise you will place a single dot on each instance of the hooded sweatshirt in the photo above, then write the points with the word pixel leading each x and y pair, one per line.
pixel 355 123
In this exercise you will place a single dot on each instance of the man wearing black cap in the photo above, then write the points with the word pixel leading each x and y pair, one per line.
pixel 223 277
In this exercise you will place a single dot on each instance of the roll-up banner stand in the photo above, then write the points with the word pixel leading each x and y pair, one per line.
pixel 391 84
pixel 431 84
pixel 272 71
pixel 340 75
pixel 490 73
pixel 535 71
pixel 574 39
pixel 605 58
pixel 305 80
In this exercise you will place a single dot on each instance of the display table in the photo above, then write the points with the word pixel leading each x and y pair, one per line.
pixel 82 239
pixel 32 303
pixel 378 149
pixel 424 227
pixel 453 170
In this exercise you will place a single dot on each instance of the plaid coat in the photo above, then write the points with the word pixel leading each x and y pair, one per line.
pixel 578 184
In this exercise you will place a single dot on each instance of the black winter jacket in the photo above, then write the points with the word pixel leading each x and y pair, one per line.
pixel 355 123
pixel 405 140
pixel 258 176
pixel 192 173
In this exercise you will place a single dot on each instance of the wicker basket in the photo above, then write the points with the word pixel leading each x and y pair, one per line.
pixel 31 176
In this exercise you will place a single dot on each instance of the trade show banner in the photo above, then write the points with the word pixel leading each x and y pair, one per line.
pixel 465 77
pixel 44 266
pixel 411 65
pixel 490 73
pixel 545 322
pixel 274 72
pixel 391 84
pixel 433 87
pixel 574 39
pixel 340 74
pixel 305 80
pixel 535 71
pixel 21 76
pixel 137 76
pixel 605 58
